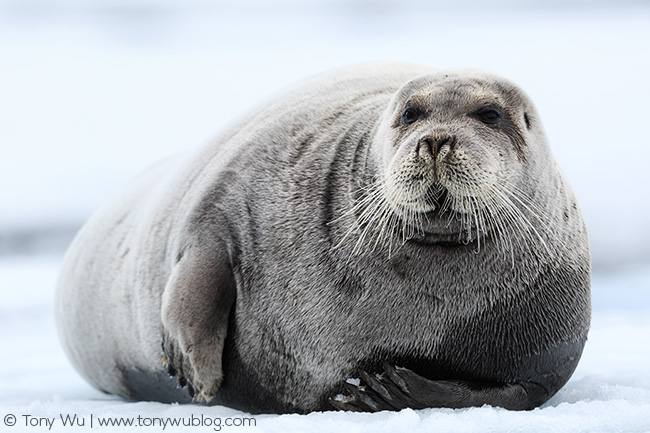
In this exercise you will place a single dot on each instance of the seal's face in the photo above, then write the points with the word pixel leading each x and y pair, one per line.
pixel 450 144
pixel 453 135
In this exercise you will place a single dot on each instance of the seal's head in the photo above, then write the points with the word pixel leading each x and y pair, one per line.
pixel 459 144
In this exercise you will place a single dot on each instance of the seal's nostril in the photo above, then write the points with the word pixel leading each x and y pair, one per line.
pixel 425 145
pixel 431 145
pixel 441 141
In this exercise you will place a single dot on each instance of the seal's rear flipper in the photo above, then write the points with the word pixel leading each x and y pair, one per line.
pixel 195 308
pixel 399 388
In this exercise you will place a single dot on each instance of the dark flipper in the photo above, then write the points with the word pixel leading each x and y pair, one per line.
pixel 195 308
pixel 398 388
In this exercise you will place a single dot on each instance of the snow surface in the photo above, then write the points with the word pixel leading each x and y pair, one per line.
pixel 93 92
pixel 609 392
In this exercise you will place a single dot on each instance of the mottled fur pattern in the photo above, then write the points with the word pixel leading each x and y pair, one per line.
pixel 315 239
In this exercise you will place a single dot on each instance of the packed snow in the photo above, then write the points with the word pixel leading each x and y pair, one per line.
pixel 93 92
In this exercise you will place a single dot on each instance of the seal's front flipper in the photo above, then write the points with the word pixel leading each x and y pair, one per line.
pixel 398 388
pixel 195 308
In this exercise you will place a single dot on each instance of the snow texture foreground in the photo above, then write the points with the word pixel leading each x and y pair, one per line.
pixel 609 392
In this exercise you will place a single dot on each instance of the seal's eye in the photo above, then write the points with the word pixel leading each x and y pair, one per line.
pixel 489 116
pixel 409 115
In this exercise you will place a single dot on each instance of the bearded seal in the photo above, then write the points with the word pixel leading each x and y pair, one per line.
pixel 405 227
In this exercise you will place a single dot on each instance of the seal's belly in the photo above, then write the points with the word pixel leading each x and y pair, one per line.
pixel 267 371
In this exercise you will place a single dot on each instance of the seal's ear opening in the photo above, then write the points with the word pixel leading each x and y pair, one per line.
pixel 527 120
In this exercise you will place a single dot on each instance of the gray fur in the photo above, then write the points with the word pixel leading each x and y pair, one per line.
pixel 245 261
